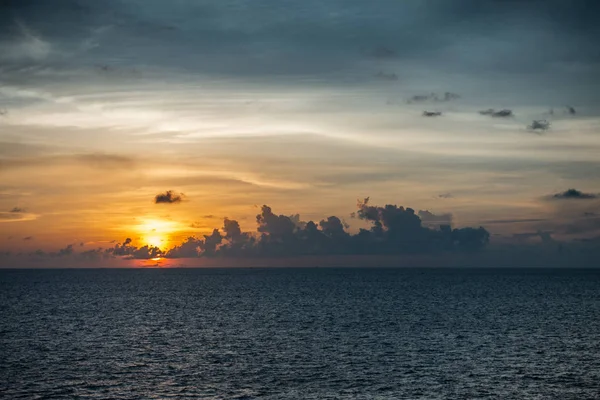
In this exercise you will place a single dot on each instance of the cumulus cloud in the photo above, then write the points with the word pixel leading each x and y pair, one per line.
pixel 127 250
pixel 190 248
pixel 394 230
pixel 169 197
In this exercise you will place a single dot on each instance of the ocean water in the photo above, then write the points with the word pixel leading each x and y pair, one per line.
pixel 300 334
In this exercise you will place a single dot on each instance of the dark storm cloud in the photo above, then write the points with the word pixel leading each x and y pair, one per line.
pixel 574 194
pixel 169 197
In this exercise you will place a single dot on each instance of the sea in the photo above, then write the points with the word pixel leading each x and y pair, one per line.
pixel 300 333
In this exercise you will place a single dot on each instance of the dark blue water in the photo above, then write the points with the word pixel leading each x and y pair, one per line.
pixel 300 334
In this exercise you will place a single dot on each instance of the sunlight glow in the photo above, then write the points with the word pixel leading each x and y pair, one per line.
pixel 156 232
pixel 156 240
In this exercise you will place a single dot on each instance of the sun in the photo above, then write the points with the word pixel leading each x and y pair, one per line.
pixel 156 241
pixel 156 232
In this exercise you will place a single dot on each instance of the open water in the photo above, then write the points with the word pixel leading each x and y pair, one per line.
pixel 300 334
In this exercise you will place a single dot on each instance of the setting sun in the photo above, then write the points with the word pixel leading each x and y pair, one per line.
pixel 156 232
pixel 157 241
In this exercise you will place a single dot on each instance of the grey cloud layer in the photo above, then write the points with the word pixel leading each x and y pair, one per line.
pixel 314 37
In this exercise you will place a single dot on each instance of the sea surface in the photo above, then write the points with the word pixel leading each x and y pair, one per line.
pixel 300 334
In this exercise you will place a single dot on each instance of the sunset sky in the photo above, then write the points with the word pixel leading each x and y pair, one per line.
pixel 305 106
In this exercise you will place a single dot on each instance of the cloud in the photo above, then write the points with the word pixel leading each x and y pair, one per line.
pixel 539 125
pixel 16 216
pixel 95 254
pixel 386 76
pixel 433 97
pixel 573 213
pixel 190 248
pixel 91 160
pixel 123 249
pixel 513 221
pixel 25 46
pixel 146 252
pixel 394 230
pixel 434 220
pixel 127 250
pixel 383 53
pixel 574 194
pixel 66 251
pixel 544 236
pixel 169 197
pixel 504 113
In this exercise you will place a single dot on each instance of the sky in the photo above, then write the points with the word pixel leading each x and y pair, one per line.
pixel 485 112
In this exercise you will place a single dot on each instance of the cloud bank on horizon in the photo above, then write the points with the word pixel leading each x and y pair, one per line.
pixel 301 105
